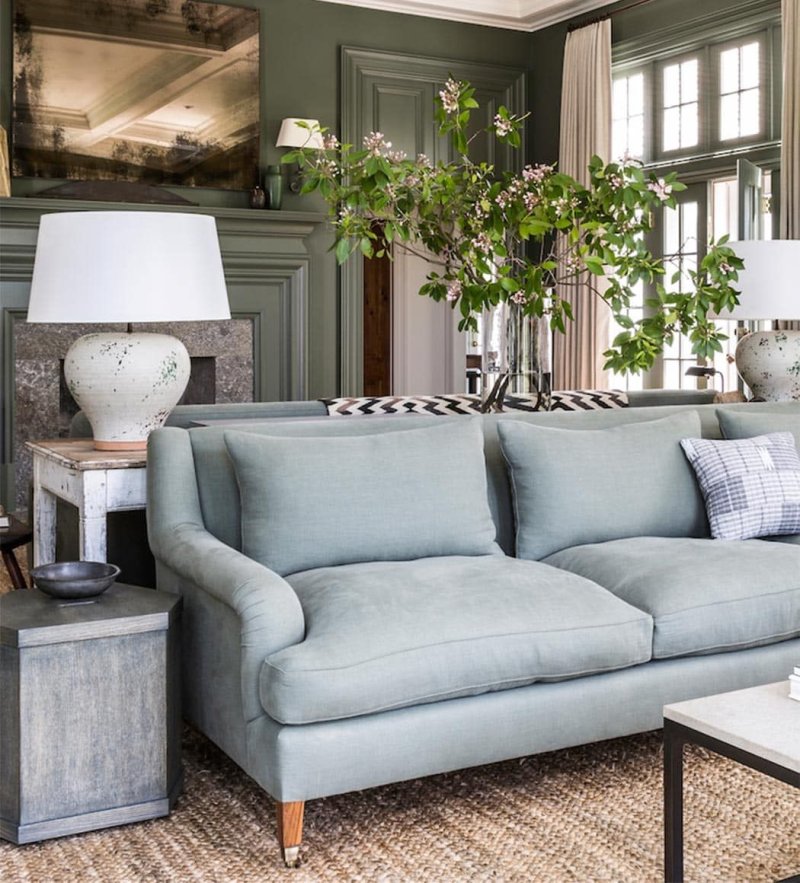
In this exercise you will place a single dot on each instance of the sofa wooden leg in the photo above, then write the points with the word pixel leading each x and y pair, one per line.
pixel 290 831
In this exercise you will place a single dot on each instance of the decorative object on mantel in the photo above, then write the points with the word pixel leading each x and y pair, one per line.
pixel 303 133
pixel 74 580
pixel 258 199
pixel 273 181
pixel 491 235
pixel 769 361
pixel 106 267
pixel 113 191
pixel 136 90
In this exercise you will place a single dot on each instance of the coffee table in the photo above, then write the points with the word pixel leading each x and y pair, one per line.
pixel 758 727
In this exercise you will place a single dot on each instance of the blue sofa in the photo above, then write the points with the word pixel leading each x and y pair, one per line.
pixel 368 600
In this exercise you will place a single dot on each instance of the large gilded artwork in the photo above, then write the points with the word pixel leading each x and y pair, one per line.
pixel 152 91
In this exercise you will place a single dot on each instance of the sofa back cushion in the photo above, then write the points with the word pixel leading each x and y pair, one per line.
pixel 572 487
pixel 315 502
pixel 738 424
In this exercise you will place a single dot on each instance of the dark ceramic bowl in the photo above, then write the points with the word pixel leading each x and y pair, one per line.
pixel 74 579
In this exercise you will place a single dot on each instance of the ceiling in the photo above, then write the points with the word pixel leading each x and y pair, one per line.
pixel 518 15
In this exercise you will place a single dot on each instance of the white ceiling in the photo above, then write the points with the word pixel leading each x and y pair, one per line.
pixel 518 15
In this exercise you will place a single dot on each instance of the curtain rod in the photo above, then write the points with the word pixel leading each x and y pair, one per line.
pixel 599 18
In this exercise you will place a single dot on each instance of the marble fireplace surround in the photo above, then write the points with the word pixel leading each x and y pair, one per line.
pixel 263 353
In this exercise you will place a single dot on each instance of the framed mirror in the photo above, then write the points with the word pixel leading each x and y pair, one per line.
pixel 149 91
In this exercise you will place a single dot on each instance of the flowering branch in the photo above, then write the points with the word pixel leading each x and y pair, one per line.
pixel 479 227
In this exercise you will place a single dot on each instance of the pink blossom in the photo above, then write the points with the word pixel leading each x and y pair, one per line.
pixel 661 189
pixel 453 290
pixel 375 143
pixel 536 174
pixel 531 200
pixel 449 96
pixel 330 142
pixel 519 297
pixel 482 243
pixel 502 126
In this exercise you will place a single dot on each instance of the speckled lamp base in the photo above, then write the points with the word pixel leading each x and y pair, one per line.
pixel 769 363
pixel 126 384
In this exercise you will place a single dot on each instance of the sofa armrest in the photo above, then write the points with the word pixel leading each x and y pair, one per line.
pixel 258 611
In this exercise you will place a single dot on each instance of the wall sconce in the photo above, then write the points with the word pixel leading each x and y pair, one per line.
pixel 293 135
pixel 702 371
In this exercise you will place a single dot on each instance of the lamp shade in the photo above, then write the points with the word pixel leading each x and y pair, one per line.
pixel 292 135
pixel 770 280
pixel 136 266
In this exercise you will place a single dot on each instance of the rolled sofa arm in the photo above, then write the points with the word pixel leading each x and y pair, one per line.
pixel 267 611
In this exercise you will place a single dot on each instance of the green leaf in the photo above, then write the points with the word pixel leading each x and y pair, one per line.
pixel 342 250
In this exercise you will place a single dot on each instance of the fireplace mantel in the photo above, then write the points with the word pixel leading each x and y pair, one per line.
pixel 281 279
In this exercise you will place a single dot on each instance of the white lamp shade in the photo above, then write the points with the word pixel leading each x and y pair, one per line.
pixel 770 280
pixel 292 135
pixel 136 266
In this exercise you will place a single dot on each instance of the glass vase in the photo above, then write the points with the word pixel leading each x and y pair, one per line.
pixel 516 359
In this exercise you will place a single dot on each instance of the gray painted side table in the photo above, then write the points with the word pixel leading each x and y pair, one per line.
pixel 91 724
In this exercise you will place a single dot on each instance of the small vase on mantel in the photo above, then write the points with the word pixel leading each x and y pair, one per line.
pixel 273 183
pixel 516 358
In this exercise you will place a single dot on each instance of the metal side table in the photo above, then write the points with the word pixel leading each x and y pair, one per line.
pixel 91 725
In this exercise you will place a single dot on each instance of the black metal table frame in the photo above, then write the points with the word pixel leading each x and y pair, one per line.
pixel 675 737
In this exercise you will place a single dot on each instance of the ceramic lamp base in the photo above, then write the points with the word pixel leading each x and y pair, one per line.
pixel 769 363
pixel 126 384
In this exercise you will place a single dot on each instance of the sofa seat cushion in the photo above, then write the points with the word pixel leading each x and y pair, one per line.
pixel 705 596
pixel 385 635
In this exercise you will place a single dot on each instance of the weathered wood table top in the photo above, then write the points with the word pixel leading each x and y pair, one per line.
pixel 80 453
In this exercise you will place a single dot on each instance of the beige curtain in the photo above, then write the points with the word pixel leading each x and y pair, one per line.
pixel 790 129
pixel 585 130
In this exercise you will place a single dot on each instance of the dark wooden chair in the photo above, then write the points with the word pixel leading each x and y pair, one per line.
pixel 18 534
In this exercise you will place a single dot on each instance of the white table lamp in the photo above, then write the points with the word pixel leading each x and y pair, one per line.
pixel 127 266
pixel 769 361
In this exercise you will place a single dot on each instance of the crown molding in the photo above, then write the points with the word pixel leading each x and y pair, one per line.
pixel 516 15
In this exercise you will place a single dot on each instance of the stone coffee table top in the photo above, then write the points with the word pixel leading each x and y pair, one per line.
pixel 763 721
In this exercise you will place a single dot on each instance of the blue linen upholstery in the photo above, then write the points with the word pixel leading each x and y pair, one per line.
pixel 385 635
pixel 751 486
pixel 631 480
pixel 740 424
pixel 238 613
pixel 704 596
pixel 317 502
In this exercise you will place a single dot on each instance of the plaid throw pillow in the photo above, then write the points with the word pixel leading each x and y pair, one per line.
pixel 751 486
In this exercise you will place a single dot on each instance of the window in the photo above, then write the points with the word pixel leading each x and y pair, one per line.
pixel 692 105
pixel 697 102
pixel 740 91
pixel 681 245
pixel 628 117
pixel 681 106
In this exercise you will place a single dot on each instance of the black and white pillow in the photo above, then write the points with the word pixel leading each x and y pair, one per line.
pixel 751 486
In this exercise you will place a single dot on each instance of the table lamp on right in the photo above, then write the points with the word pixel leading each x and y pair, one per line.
pixel 769 361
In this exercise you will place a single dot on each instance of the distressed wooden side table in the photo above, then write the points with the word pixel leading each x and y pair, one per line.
pixel 91 724
pixel 96 482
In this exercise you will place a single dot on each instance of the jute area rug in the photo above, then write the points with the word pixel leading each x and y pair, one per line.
pixel 586 814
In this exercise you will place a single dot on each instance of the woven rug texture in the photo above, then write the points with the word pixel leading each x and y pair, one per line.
pixel 591 813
